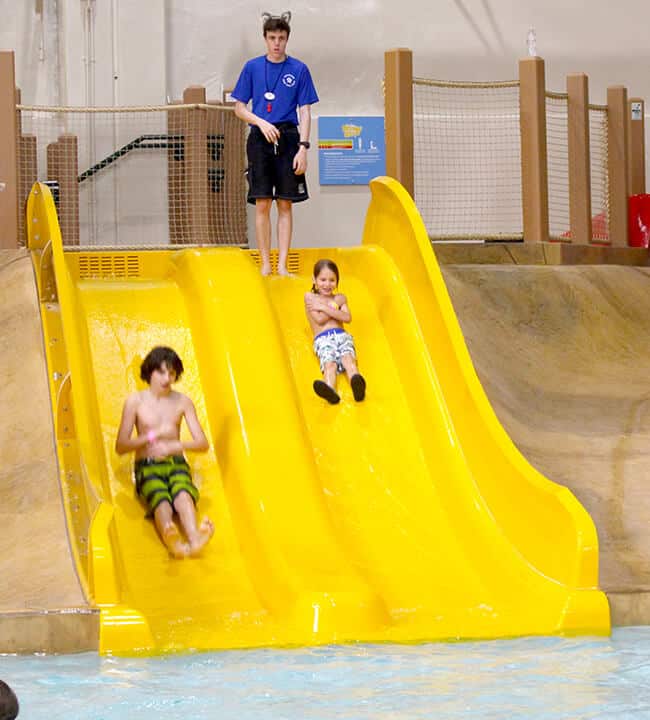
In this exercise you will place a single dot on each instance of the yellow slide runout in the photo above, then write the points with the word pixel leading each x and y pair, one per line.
pixel 407 517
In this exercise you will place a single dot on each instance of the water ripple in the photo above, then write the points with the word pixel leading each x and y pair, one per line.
pixel 533 678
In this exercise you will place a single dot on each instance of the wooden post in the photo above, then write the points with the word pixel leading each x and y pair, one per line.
pixel 217 208
pixel 617 171
pixel 176 190
pixel 534 168
pixel 636 135
pixel 579 158
pixel 27 176
pixel 62 166
pixel 398 103
pixel 226 179
pixel 26 169
pixel 196 167
pixel 235 185
pixel 8 153
pixel 68 166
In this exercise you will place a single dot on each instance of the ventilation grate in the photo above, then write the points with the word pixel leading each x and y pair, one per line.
pixel 108 266
pixel 293 261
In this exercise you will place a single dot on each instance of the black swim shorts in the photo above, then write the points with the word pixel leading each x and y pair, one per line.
pixel 159 480
pixel 270 167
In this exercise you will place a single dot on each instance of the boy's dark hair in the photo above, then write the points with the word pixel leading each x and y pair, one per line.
pixel 325 263
pixel 158 357
pixel 273 23
pixel 8 702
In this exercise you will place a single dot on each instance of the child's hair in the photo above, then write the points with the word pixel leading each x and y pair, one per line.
pixel 158 357
pixel 8 702
pixel 273 23
pixel 330 265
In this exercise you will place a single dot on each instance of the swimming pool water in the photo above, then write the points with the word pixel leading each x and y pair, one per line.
pixel 533 678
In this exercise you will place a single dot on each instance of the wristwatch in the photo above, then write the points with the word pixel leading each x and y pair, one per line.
pixel 305 143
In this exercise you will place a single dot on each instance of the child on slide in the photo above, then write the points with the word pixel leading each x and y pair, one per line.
pixel 162 475
pixel 327 310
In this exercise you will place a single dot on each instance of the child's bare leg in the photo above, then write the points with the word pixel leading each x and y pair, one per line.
pixel 329 373
pixel 327 388
pixel 357 381
pixel 197 536
pixel 285 228
pixel 263 232
pixel 163 517
pixel 349 365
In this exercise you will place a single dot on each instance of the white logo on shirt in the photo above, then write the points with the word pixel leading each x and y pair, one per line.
pixel 289 80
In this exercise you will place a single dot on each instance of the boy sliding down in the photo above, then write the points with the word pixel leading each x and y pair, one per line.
pixel 162 475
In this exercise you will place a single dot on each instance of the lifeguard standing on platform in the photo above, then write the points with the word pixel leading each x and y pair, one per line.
pixel 282 93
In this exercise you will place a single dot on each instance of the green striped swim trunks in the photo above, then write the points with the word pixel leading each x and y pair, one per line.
pixel 157 480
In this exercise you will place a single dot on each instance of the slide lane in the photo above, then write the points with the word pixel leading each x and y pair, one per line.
pixel 405 501
pixel 183 604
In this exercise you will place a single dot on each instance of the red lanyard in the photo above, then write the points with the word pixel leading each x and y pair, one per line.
pixel 270 94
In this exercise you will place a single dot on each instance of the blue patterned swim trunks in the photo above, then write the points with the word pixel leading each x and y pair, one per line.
pixel 331 345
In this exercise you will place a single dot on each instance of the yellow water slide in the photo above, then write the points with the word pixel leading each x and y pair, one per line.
pixel 410 516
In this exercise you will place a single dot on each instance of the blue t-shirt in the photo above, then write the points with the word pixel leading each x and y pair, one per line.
pixel 290 81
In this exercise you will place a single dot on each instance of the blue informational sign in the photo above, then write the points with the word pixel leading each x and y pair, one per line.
pixel 351 150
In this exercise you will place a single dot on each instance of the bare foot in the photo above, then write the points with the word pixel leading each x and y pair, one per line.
pixel 205 532
pixel 174 543
pixel 285 273
pixel 266 270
